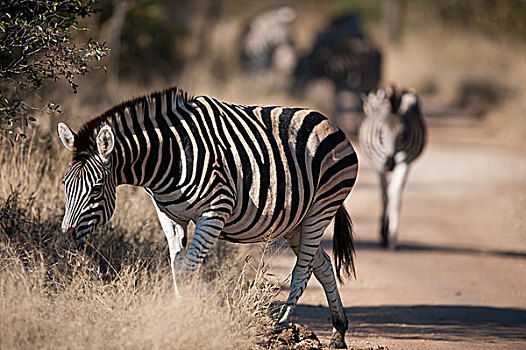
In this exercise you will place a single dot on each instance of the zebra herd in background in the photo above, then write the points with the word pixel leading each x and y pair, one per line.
pixel 392 133
pixel 248 173
pixel 341 54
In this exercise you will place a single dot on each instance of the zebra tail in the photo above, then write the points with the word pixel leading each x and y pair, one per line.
pixel 343 244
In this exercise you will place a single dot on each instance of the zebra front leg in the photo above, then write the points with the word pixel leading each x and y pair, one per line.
pixel 207 228
pixel 385 218
pixel 176 236
pixel 395 189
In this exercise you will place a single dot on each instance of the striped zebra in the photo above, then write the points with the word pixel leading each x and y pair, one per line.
pixel 267 41
pixel 351 64
pixel 240 173
pixel 348 26
pixel 344 55
pixel 392 135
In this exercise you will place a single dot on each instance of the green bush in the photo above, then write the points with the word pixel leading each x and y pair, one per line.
pixel 35 47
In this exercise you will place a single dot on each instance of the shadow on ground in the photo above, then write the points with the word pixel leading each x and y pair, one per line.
pixel 427 322
pixel 416 247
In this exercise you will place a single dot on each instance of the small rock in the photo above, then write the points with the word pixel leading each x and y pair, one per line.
pixel 295 337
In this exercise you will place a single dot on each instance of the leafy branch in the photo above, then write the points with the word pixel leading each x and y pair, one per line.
pixel 36 47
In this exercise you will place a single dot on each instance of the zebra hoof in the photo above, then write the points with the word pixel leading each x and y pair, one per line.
pixel 337 341
pixel 280 326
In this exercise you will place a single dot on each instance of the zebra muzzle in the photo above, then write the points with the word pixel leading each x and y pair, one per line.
pixel 66 240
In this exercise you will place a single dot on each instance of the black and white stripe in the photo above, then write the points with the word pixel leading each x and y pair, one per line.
pixel 392 135
pixel 241 173
pixel 267 42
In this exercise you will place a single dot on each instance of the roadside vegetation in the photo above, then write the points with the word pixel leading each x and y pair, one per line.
pixel 116 292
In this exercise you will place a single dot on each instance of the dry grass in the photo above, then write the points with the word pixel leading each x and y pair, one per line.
pixel 116 292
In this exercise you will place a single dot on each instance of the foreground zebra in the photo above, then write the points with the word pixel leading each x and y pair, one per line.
pixel 392 135
pixel 243 174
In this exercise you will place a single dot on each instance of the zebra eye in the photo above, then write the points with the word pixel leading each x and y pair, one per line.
pixel 96 190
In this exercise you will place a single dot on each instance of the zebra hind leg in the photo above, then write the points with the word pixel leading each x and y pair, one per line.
pixel 309 242
pixel 324 273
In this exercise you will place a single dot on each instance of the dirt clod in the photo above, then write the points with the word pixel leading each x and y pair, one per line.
pixel 295 337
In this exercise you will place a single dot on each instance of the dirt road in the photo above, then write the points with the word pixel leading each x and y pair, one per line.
pixel 458 279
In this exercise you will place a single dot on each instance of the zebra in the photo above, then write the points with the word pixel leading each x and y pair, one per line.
pixel 348 26
pixel 392 135
pixel 344 55
pixel 351 62
pixel 240 173
pixel 267 42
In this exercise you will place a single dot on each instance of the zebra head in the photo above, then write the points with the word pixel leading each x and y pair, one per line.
pixel 376 104
pixel 89 182
pixel 390 100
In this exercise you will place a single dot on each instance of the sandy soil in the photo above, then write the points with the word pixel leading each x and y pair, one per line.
pixel 458 279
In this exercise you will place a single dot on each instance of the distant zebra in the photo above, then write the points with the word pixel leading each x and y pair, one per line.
pixel 240 173
pixel 267 42
pixel 344 55
pixel 347 26
pixel 392 135
pixel 351 64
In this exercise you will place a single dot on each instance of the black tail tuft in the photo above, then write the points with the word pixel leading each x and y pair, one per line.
pixel 343 244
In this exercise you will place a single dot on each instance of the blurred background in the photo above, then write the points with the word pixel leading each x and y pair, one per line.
pixel 462 58
pixel 458 279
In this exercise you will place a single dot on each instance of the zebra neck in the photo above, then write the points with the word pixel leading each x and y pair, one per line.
pixel 147 154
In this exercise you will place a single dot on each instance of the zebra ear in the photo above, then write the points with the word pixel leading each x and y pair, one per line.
pixel 67 136
pixel 105 141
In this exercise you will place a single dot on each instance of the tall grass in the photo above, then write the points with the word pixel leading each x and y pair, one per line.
pixel 116 292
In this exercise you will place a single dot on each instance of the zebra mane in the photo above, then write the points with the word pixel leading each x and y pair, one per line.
pixel 85 140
